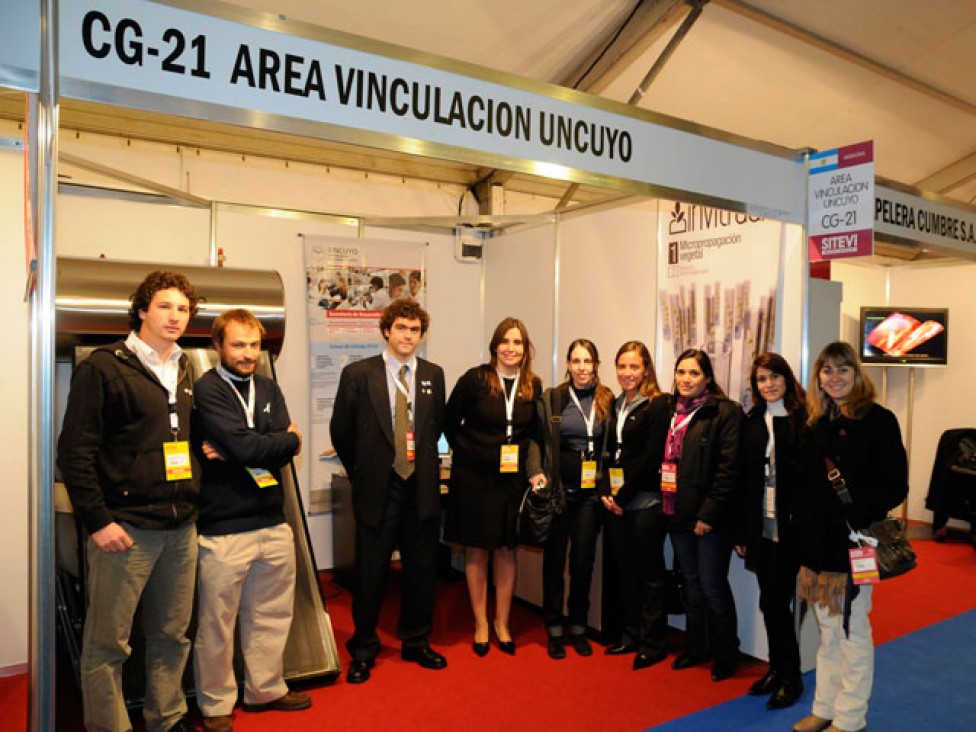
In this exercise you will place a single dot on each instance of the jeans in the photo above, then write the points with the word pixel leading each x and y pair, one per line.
pixel 575 529
pixel 712 626
pixel 160 568
pixel 637 542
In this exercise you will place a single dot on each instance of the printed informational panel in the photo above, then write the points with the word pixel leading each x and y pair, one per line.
pixel 349 283
pixel 717 290
pixel 840 203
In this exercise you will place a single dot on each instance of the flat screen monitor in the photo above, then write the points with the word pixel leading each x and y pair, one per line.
pixel 904 336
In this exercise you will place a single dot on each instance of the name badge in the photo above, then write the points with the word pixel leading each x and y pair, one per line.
pixel 176 458
pixel 669 477
pixel 509 459
pixel 864 566
pixel 588 475
pixel 262 477
pixel 669 488
pixel 411 446
pixel 616 480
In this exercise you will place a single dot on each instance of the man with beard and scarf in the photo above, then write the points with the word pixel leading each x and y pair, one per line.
pixel 244 437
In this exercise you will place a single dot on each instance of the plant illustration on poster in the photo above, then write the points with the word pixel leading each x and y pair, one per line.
pixel 717 290
pixel 349 283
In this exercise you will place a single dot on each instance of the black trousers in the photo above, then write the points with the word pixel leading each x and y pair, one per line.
pixel 776 569
pixel 636 541
pixel 574 530
pixel 417 541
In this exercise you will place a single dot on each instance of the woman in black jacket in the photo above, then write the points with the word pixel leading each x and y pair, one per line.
pixel 698 490
pixel 574 447
pixel 863 441
pixel 636 527
pixel 769 450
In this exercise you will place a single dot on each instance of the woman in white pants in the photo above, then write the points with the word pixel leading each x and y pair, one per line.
pixel 859 443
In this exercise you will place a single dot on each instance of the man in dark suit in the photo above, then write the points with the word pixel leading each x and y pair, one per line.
pixel 385 425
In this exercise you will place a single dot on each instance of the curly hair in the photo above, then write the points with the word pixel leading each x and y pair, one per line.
pixel 154 282
pixel 405 309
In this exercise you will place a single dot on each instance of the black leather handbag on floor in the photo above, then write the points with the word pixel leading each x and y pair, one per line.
pixel 894 554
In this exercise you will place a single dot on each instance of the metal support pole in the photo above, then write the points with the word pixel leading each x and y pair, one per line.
pixel 908 435
pixel 556 262
pixel 668 51
pixel 44 155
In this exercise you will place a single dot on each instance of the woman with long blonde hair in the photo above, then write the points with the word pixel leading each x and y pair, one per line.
pixel 858 442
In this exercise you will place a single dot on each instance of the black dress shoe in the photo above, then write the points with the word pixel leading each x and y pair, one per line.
pixel 424 656
pixel 787 695
pixel 480 649
pixel 644 660
pixel 557 647
pixel 581 645
pixel 685 660
pixel 723 670
pixel 620 649
pixel 768 684
pixel 504 646
pixel 358 672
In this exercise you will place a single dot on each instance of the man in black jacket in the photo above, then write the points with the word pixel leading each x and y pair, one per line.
pixel 125 459
pixel 247 550
pixel 387 418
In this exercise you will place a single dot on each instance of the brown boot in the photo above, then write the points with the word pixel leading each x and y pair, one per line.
pixel 812 723
pixel 222 723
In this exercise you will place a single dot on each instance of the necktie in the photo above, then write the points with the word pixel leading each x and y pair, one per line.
pixel 401 424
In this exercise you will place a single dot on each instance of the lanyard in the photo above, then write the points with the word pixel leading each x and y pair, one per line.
pixel 509 403
pixel 587 420
pixel 249 404
pixel 399 384
pixel 625 410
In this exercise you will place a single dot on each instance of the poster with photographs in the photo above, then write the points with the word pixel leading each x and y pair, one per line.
pixel 349 283
pixel 717 289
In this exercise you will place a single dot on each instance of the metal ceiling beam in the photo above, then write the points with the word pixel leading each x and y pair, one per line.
pixel 950 177
pixel 825 44
pixel 667 53
pixel 651 20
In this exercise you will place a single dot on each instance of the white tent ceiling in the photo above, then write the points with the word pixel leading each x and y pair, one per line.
pixel 796 73
pixel 799 74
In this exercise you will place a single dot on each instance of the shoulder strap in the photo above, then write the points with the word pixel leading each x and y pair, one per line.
pixel 837 482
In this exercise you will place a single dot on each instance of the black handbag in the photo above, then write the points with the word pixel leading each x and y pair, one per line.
pixel 893 551
pixel 535 515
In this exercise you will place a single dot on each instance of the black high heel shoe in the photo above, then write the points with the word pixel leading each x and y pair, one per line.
pixel 480 649
pixel 504 646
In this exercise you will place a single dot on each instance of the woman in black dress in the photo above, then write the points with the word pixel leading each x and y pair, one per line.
pixel 574 453
pixel 492 426
pixel 771 480
pixel 636 527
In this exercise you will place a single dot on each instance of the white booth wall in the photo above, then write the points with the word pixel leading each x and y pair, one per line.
pixel 14 430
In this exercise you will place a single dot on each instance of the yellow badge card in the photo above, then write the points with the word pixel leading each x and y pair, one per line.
pixel 588 475
pixel 616 480
pixel 262 477
pixel 509 459
pixel 176 456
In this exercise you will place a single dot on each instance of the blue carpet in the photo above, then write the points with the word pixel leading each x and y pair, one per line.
pixel 922 681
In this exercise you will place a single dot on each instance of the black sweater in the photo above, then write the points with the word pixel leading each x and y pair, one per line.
pixel 111 447
pixel 230 500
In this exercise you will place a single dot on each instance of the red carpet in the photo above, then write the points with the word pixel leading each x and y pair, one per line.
pixel 532 692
